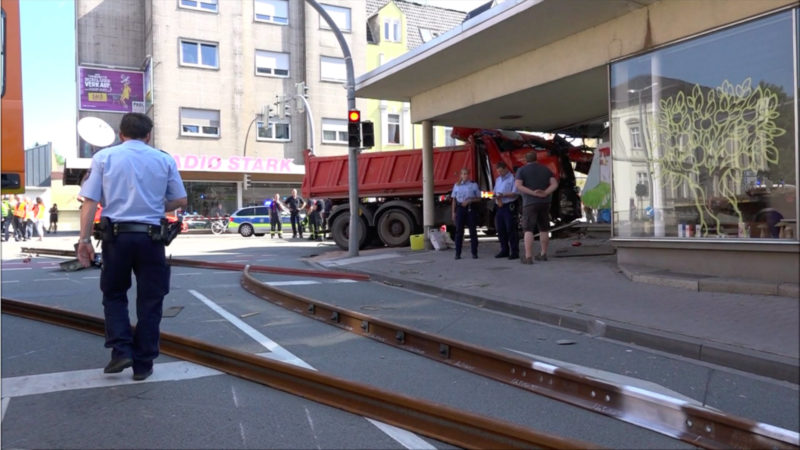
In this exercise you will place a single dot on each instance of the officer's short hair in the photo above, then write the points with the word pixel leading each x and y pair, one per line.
pixel 135 125
pixel 530 156
pixel 501 165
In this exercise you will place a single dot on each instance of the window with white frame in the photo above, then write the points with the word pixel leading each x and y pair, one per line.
pixel 274 131
pixel 391 30
pixel 333 69
pixel 340 16
pixel 199 54
pixel 393 132
pixel 334 131
pixel 199 122
pixel 202 5
pixel 272 63
pixel 636 136
pixel 272 11
pixel 449 140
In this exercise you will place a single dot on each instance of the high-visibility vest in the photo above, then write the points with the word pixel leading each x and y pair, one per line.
pixel 6 208
pixel 19 210
pixel 38 211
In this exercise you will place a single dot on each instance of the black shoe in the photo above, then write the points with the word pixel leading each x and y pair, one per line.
pixel 513 257
pixel 474 256
pixel 142 376
pixel 540 257
pixel 501 255
pixel 458 256
pixel 117 365
pixel 525 260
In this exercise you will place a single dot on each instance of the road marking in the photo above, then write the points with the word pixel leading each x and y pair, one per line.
pixel 187 273
pixel 94 378
pixel 10 281
pixel 50 279
pixel 290 283
pixel 5 406
pixel 16 268
pixel 92 278
pixel 405 438
pixel 358 259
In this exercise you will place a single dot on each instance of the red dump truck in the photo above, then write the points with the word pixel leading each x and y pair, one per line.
pixel 390 183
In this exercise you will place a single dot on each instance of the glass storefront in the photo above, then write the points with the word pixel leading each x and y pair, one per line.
pixel 703 136
pixel 259 193
pixel 206 197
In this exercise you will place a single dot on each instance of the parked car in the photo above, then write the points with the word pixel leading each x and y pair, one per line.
pixel 254 220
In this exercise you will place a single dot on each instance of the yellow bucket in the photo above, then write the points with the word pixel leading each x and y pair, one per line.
pixel 417 242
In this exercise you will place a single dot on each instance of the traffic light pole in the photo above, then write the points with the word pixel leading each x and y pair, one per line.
pixel 352 160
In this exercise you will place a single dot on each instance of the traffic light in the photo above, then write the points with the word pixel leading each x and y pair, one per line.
pixel 354 128
pixel 367 134
pixel 247 183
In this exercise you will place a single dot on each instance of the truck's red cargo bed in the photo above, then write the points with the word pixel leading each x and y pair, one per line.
pixel 382 174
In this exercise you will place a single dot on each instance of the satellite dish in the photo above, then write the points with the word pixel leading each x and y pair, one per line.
pixel 96 131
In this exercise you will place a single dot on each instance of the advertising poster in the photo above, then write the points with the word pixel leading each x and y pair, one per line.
pixel 110 90
pixel 148 84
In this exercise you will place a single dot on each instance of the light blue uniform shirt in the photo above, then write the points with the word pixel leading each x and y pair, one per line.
pixel 505 184
pixel 463 191
pixel 133 182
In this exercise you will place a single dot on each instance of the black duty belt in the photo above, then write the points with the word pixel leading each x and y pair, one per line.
pixel 133 227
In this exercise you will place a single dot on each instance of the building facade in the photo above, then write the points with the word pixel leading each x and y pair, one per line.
pixel 221 80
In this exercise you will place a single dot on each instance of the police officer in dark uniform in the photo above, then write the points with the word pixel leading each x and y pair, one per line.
pixel 136 185
pixel 295 204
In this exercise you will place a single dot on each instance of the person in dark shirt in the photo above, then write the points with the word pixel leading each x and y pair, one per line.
pixel 295 204
pixel 536 183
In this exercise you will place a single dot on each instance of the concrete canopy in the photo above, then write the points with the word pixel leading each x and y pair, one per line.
pixel 510 29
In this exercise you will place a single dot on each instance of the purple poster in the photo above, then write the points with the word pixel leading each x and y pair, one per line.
pixel 110 90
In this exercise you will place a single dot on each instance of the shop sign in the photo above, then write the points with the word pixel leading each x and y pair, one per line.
pixel 110 90
pixel 244 164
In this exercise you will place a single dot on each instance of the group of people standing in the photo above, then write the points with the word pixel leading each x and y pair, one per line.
pixel 534 182
pixel 317 213
pixel 27 218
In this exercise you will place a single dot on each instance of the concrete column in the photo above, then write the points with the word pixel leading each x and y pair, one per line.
pixel 427 181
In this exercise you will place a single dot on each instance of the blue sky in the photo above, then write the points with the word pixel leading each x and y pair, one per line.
pixel 48 73
pixel 48 70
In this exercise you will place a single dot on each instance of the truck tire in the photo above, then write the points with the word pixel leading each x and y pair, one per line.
pixel 340 231
pixel 395 227
pixel 246 230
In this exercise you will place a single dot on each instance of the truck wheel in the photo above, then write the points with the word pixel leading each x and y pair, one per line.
pixel 340 231
pixel 395 228
pixel 246 230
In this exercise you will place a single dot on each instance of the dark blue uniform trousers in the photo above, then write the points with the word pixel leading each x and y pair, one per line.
pixel 505 221
pixel 137 253
pixel 466 215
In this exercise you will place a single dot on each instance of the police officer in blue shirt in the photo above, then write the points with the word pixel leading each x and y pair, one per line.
pixel 465 193
pixel 136 184
pixel 505 219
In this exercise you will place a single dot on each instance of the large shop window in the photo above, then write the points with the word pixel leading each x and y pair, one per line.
pixel 703 136
pixel 210 199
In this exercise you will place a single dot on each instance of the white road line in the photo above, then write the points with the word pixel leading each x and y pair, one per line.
pixel 10 281
pixel 94 378
pixel 345 280
pixel 187 273
pixel 405 438
pixel 291 283
pixel 91 278
pixel 16 268
pixel 50 279
pixel 5 406
pixel 358 259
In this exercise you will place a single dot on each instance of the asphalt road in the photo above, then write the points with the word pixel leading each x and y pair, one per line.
pixel 55 395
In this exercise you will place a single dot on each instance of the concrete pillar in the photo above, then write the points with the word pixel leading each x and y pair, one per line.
pixel 427 181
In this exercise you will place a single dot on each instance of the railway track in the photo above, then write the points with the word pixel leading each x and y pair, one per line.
pixel 700 426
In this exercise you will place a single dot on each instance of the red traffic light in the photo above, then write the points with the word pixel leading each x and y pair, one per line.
pixel 354 116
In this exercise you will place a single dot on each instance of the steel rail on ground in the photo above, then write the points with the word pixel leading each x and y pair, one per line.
pixel 670 416
pixel 447 424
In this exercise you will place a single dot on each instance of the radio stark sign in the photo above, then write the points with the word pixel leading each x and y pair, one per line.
pixel 244 164
pixel 110 90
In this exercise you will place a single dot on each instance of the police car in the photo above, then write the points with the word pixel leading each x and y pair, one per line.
pixel 254 220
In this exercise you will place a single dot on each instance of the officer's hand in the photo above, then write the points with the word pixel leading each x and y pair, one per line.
pixel 85 254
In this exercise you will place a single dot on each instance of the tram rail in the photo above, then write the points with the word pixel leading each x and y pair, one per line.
pixel 447 424
pixel 697 425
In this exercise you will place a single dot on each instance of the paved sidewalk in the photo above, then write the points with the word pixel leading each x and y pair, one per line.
pixel 751 332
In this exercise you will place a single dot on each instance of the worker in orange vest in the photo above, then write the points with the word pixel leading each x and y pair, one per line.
pixel 19 218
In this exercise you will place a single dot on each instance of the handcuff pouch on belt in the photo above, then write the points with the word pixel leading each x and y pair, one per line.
pixel 165 232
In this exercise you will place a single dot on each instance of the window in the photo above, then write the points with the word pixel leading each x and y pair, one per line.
pixel 199 122
pixel 273 11
pixel 391 30
pixel 199 54
pixel 272 63
pixel 202 5
pixel 426 34
pixel 706 162
pixel 636 136
pixel 340 16
pixel 273 131
pixel 393 129
pixel 334 131
pixel 449 140
pixel 333 69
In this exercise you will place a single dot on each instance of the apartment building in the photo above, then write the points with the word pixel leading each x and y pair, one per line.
pixel 212 74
